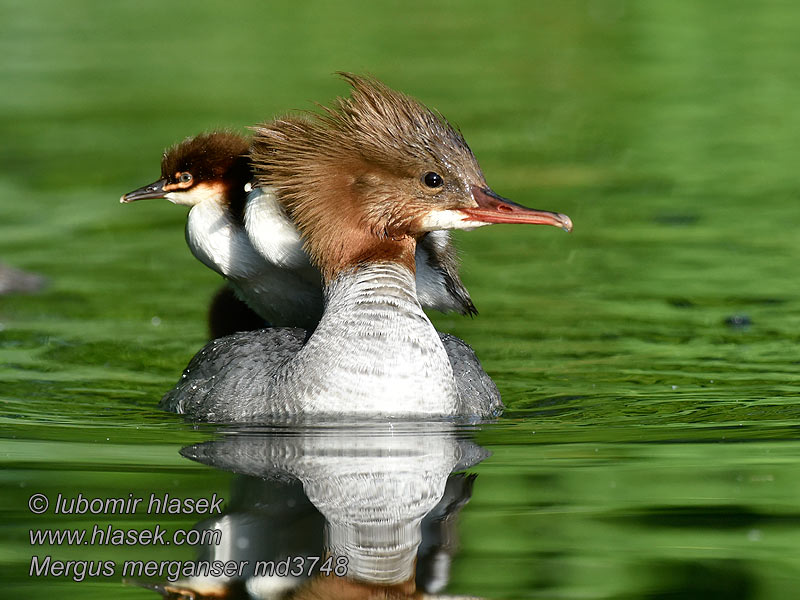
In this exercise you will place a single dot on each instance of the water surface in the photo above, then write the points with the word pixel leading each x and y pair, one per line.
pixel 648 360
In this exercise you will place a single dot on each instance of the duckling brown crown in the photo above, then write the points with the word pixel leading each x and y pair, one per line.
pixel 357 176
pixel 218 155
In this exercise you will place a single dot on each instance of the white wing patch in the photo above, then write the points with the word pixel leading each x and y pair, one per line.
pixel 271 232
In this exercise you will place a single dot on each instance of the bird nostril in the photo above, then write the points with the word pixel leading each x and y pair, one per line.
pixel 504 208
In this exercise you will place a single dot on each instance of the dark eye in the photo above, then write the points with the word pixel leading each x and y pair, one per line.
pixel 432 180
pixel 185 177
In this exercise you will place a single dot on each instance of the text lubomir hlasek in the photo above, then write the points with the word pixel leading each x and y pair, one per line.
pixel 156 504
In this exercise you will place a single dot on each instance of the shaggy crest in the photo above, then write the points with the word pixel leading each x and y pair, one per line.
pixel 349 176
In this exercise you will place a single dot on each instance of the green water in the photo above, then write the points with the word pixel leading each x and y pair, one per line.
pixel 650 447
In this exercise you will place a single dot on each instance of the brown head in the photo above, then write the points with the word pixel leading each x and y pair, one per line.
pixel 366 177
pixel 211 166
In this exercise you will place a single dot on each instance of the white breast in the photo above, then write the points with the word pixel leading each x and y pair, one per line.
pixel 373 352
pixel 282 296
pixel 220 243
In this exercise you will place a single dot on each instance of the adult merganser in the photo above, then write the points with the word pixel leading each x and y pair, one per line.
pixel 243 233
pixel 362 182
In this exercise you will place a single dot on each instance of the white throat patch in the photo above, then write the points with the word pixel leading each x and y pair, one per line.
pixel 448 219
pixel 202 192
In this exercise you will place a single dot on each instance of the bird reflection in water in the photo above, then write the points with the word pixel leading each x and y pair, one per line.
pixel 384 497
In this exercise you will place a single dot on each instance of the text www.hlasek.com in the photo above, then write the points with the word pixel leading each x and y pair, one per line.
pixel 111 536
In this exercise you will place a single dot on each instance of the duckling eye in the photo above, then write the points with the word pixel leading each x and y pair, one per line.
pixel 432 180
pixel 185 177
